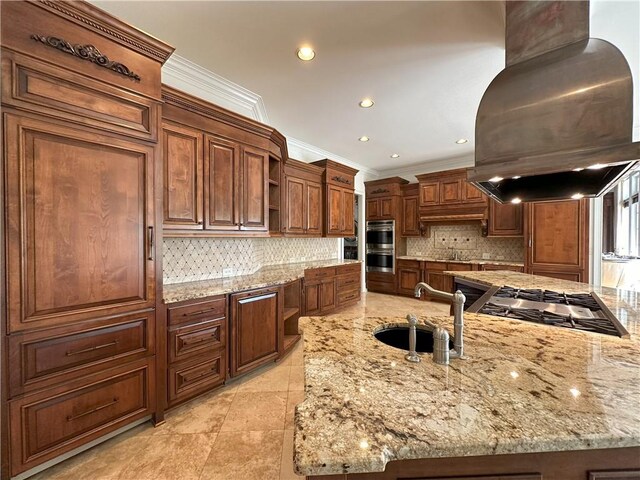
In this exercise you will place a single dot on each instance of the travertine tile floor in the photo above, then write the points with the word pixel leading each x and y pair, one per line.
pixel 242 431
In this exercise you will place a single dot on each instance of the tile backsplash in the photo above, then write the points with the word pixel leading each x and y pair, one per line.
pixel 191 259
pixel 468 241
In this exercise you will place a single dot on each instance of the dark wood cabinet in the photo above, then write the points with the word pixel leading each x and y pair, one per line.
pixel 429 192
pixel 505 220
pixel 256 328
pixel 381 208
pixel 493 267
pixel 410 222
pixel 182 177
pixel 615 475
pixel 338 198
pixel 326 289
pixel 221 184
pixel 303 198
pixel 451 190
pixel 312 297
pixel 255 190
pixel 557 239
pixel 408 275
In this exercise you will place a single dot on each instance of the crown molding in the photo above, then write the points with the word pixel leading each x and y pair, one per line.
pixel 190 77
pixel 311 153
pixel 428 167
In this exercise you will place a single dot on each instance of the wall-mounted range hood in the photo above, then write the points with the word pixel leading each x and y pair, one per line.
pixel 557 122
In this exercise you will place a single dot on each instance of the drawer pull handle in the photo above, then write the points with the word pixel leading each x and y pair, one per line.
pixel 188 378
pixel 188 342
pixel 350 297
pixel 93 410
pixel 70 353
pixel 199 312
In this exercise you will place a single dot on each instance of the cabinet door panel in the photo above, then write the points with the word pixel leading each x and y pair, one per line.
pixel 327 295
pixel 386 208
pixel 182 172
pixel 472 194
pixel 429 193
pixel 336 208
pixel 348 226
pixel 255 203
pixel 450 191
pixel 408 278
pixel 410 221
pixel 373 209
pixel 505 220
pixel 314 208
pixel 254 329
pixel 311 298
pixel 220 184
pixel 295 205
pixel 78 227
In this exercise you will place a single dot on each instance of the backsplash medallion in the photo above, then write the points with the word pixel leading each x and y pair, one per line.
pixel 192 259
pixel 468 241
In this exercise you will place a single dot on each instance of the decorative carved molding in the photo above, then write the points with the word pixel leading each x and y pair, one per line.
pixel 380 190
pixel 86 52
pixel 340 179
pixel 83 14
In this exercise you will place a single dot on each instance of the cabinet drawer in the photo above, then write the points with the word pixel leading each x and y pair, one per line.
pixel 381 287
pixel 320 273
pixel 349 269
pixel 187 341
pixel 460 267
pixel 63 94
pixel 47 357
pixel 350 280
pixel 58 420
pixel 189 380
pixel 348 296
pixel 411 264
pixel 438 266
pixel 197 311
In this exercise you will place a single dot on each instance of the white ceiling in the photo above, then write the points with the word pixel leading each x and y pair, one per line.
pixel 426 65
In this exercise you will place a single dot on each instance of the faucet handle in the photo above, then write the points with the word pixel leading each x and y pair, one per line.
pixel 412 319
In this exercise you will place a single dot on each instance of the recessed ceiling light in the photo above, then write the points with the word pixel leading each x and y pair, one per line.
pixel 577 196
pixel 516 177
pixel 496 179
pixel 395 155
pixel 366 103
pixel 306 53
pixel 461 141
pixel 516 200
pixel 364 138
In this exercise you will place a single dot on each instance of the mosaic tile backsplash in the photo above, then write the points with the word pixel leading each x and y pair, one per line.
pixel 468 241
pixel 192 259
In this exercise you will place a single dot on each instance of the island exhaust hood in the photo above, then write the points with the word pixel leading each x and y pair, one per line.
pixel 557 122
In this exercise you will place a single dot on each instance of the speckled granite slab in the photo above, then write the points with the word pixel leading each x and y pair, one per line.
pixel 422 258
pixel 265 277
pixel 524 388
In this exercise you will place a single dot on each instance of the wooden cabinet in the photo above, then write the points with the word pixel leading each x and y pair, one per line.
pixel 433 274
pixel 338 198
pixel 182 177
pixel 410 222
pixel 381 282
pixel 557 239
pixel 615 475
pixel 505 220
pixel 196 347
pixel 222 171
pixel 256 328
pixel 408 275
pixel 326 289
pixel 493 267
pixel 381 208
pixel 447 197
pixel 303 198
pixel 384 199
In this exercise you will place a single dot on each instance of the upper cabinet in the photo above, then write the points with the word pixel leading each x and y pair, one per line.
pixel 303 198
pixel 410 217
pixel 222 171
pixel 505 220
pixel 338 198
pixel 383 199
pixel 447 196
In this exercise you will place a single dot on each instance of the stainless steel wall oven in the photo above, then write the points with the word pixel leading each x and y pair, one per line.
pixel 381 246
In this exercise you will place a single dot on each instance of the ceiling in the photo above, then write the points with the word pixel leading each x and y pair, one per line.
pixel 425 64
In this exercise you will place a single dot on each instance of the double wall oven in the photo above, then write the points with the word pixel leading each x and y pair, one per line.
pixel 381 246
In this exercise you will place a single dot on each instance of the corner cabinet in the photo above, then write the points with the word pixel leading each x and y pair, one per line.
pixel 257 330
pixel 338 198
pixel 218 170
pixel 303 191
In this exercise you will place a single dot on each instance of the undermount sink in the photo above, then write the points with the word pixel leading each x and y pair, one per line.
pixel 398 337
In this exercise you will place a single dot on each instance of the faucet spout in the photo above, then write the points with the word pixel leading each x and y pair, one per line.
pixel 422 286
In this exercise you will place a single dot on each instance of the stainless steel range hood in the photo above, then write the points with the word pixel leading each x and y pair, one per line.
pixel 557 122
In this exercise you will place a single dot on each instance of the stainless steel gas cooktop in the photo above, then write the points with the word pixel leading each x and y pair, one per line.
pixel 579 311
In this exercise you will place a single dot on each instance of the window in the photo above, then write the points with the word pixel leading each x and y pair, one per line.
pixel 628 217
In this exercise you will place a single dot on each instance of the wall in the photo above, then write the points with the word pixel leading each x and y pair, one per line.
pixel 468 240
pixel 192 259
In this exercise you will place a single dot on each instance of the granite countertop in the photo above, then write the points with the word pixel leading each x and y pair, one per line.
pixel 265 277
pixel 425 258
pixel 524 388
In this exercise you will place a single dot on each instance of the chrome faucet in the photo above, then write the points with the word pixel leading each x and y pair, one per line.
pixel 457 299
pixel 412 356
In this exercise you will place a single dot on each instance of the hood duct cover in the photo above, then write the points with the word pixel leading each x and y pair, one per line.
pixel 559 118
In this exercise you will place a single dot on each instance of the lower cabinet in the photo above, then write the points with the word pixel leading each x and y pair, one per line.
pixel 256 328
pixel 408 275
pixel 54 421
pixel 615 475
pixel 196 348
pixel 381 282
pixel 326 289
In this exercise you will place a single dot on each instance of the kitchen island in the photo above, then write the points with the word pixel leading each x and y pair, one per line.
pixel 530 400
